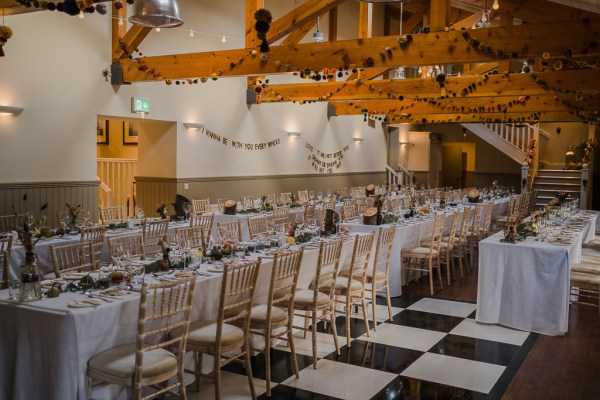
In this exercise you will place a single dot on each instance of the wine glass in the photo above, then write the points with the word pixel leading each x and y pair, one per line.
pixel 311 195
pixel 85 217
pixel 187 207
pixel 300 221
pixel 29 219
pixel 64 221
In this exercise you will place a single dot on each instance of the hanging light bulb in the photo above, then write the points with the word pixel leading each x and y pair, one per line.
pixel 484 17
pixel 157 29
pixel 191 33
pixel 318 35
pixel 120 21
pixel 400 71
pixel 496 5
pixel 81 16
pixel 223 39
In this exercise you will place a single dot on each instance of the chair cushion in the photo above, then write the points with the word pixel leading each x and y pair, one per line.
pixel 259 314
pixel 418 252
pixel 587 268
pixel 341 284
pixel 443 244
pixel 379 275
pixel 120 362
pixel 304 298
pixel 583 278
pixel 204 333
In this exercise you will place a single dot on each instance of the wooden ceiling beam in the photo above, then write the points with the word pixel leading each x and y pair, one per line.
pixel 542 11
pixel 296 36
pixel 543 83
pixel 482 118
pixel 117 32
pixel 439 14
pixel 365 20
pixel 130 42
pixel 250 35
pixel 298 17
pixel 515 42
pixel 563 103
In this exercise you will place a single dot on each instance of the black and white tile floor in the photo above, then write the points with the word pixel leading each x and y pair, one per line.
pixel 431 349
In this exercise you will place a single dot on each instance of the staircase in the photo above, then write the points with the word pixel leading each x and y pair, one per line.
pixel 548 182
pixel 511 139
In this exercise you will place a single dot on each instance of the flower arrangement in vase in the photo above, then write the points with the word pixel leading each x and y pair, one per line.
pixel 163 211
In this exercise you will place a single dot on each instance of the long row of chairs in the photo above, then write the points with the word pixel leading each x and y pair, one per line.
pixel 227 338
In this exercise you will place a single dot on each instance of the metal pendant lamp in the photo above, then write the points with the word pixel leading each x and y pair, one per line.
pixel 156 14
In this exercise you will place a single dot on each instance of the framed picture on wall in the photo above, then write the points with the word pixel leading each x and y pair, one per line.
pixel 102 131
pixel 130 133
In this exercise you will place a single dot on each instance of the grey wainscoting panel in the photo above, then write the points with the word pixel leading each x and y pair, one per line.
pixel 234 187
pixel 55 194
pixel 151 192
pixel 485 179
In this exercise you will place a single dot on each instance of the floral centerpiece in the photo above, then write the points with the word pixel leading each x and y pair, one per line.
pixel 165 249
pixel 588 149
pixel 163 211
pixel 31 287
pixel 73 214
pixel 559 199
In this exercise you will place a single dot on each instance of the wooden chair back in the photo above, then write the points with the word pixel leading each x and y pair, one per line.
pixel 361 205
pixel 465 222
pixel 257 226
pixel 452 230
pixel 111 215
pixel 237 292
pixel 9 223
pixel 383 250
pixel 476 220
pixel 284 277
pixel 269 198
pixel 200 206
pixel 309 212
pixel 206 222
pixel 437 232
pixel 94 235
pixel 5 252
pixel 153 231
pixel 164 307
pixel 190 236
pixel 302 196
pixel 133 244
pixel 329 204
pixel 230 230
pixel 327 268
pixel 361 254
pixel 348 212
pixel 72 257
pixel 247 201
pixel 283 211
pixel 487 220
pixel 221 204
pixel 285 198
pixel 342 192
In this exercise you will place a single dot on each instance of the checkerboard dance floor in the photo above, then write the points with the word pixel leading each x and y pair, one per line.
pixel 430 349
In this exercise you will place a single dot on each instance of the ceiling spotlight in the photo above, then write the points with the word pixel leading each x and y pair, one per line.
pixel 318 35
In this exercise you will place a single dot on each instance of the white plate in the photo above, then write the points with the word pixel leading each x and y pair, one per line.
pixel 73 276
pixel 84 303
pixel 215 268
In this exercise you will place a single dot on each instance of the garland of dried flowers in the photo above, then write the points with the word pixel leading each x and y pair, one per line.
pixel 5 34
pixel 531 152
pixel 588 149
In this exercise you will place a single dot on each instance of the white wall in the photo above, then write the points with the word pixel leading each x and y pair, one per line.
pixel 53 68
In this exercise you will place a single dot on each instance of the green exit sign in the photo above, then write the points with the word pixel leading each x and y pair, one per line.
pixel 140 105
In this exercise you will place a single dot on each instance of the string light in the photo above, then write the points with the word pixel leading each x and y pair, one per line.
pixel 157 29
pixel 191 33
pixel 81 16
pixel 223 39
pixel 120 21
pixel 496 5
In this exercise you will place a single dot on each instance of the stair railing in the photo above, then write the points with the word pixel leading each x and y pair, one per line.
pixel 401 177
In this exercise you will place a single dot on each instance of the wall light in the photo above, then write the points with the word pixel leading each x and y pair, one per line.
pixel 10 110
pixel 294 134
pixel 194 126
pixel 358 139
pixel 404 143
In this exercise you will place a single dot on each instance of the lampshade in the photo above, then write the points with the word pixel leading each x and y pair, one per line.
pixel 193 126
pixel 156 14
pixel 10 110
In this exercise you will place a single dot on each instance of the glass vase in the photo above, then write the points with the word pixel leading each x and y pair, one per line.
pixel 31 285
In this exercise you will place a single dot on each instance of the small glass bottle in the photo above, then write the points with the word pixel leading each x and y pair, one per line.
pixel 31 285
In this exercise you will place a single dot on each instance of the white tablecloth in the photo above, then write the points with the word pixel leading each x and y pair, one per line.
pixel 526 285
pixel 45 346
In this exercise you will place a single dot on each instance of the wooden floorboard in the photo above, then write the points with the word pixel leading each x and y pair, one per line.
pixel 557 367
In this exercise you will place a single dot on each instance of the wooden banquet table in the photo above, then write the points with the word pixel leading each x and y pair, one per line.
pixel 526 285
pixel 45 345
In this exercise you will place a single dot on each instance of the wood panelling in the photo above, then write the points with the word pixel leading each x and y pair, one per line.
pixel 55 194
pixel 152 191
